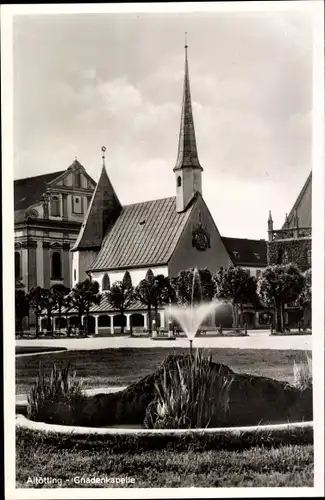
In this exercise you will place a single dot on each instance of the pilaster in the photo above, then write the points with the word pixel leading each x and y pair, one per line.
pixel 46 264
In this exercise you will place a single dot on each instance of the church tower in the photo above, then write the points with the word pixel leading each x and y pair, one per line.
pixel 102 213
pixel 188 171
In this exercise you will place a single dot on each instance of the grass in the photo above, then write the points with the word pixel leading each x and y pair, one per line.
pixel 121 367
pixel 33 350
pixel 42 455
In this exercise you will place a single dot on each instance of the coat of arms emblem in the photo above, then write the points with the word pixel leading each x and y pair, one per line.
pixel 200 236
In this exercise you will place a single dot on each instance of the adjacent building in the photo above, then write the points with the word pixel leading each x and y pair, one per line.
pixel 49 210
pixel 292 243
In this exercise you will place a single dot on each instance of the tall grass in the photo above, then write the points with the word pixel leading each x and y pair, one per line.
pixel 303 374
pixel 193 395
pixel 48 393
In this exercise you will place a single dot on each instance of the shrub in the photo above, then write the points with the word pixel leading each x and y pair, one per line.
pixel 303 374
pixel 193 395
pixel 57 398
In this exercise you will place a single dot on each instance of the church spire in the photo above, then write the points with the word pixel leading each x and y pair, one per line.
pixel 188 171
pixel 187 156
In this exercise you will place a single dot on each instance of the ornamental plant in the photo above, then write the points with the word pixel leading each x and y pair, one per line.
pixel 57 398
pixel 193 395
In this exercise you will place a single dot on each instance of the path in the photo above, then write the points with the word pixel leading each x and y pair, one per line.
pixel 255 340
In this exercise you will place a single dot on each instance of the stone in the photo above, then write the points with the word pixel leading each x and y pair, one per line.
pixel 253 400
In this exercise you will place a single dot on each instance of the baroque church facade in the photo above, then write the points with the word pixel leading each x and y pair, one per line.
pixel 48 213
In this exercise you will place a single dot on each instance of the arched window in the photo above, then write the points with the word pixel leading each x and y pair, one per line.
pixel 55 206
pixel 17 265
pixel 56 265
pixel 105 282
pixel 179 181
pixel 308 256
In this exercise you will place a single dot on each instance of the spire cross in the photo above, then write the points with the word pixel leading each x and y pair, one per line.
pixel 103 155
pixel 185 39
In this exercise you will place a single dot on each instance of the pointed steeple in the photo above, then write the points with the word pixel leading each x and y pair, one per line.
pixel 103 211
pixel 187 156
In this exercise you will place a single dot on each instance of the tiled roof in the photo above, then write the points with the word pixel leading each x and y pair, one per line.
pixel 28 191
pixel 103 307
pixel 144 234
pixel 103 211
pixel 290 220
pixel 246 252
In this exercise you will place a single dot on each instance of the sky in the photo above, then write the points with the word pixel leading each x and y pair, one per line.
pixel 116 80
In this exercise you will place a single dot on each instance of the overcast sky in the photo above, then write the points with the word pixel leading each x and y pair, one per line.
pixel 84 81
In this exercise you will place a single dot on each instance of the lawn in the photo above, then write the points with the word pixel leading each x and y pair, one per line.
pixel 120 367
pixel 40 455
pixel 34 349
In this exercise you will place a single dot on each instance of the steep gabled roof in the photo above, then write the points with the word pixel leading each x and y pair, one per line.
pixel 305 217
pixel 144 234
pixel 29 190
pixel 102 213
pixel 187 150
pixel 245 252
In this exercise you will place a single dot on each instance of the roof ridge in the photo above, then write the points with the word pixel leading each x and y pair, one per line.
pixel 59 172
pixel 244 239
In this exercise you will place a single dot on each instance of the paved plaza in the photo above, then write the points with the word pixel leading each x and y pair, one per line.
pixel 258 339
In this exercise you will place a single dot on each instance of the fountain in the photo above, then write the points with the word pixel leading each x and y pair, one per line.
pixel 191 316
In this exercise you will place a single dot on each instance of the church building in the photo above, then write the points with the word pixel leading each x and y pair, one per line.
pixel 165 235
pixel 49 210
pixel 292 243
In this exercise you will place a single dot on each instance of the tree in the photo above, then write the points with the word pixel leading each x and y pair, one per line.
pixel 49 302
pixel 161 292
pixel 83 295
pixel 21 309
pixel 304 299
pixel 236 286
pixel 277 285
pixel 60 293
pixel 144 293
pixel 193 286
pixel 36 302
pixel 248 295
pixel 121 295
